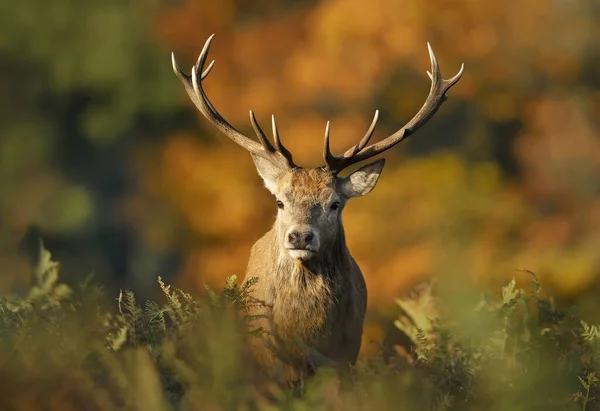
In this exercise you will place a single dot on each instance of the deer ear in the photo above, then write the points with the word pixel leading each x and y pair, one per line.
pixel 363 180
pixel 269 171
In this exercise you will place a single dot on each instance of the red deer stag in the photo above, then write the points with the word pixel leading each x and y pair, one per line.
pixel 314 291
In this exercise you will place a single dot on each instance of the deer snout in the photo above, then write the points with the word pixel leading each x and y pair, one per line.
pixel 302 238
pixel 301 242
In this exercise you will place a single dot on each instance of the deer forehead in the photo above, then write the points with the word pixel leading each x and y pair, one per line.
pixel 308 186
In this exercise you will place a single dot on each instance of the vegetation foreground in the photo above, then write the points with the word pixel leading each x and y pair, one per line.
pixel 60 350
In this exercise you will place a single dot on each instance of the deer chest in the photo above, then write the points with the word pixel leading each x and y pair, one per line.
pixel 307 310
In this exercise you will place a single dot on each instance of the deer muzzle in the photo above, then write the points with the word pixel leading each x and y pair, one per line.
pixel 302 242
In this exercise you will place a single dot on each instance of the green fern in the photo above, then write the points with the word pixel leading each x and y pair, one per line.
pixel 512 350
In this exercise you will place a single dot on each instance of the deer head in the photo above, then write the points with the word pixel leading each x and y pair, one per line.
pixel 310 201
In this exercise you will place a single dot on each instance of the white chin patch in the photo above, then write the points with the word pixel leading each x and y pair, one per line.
pixel 300 254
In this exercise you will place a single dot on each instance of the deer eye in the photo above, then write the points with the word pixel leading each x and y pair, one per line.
pixel 280 205
pixel 335 205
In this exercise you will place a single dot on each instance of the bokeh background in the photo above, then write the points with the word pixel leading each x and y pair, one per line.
pixel 104 156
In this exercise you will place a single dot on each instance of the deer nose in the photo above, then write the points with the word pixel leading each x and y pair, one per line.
pixel 300 239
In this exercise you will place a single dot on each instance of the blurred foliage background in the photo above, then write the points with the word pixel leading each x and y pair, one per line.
pixel 104 156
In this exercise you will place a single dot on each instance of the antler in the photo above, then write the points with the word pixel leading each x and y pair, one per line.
pixel 437 95
pixel 193 86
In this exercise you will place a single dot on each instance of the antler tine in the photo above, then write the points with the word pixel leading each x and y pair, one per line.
pixel 333 162
pixel 279 145
pixel 185 77
pixel 435 70
pixel 260 134
pixel 193 86
pixel 363 142
pixel 437 95
pixel 330 159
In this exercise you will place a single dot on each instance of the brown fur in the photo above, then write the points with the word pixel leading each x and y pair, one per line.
pixel 314 288
pixel 315 309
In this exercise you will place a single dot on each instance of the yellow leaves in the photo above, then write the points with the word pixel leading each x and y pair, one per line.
pixel 394 231
pixel 557 160
pixel 406 266
pixel 418 313
pixel 501 106
pixel 262 95
pixel 219 194
pixel 183 26
pixel 209 264
pixel 568 270
pixel 339 60
pixel 304 135
pixel 372 334
pixel 346 48
pixel 340 23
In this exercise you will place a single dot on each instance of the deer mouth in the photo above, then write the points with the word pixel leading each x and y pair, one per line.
pixel 300 253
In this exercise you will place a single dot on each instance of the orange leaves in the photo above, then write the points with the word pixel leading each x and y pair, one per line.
pixel 219 195
pixel 340 60
pixel 186 26
pixel 211 186
pixel 399 231
pixel 207 264
pixel 559 149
